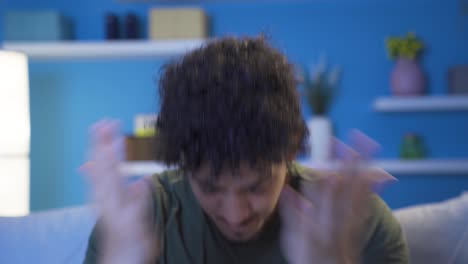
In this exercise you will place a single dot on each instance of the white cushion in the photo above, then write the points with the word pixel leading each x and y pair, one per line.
pixel 57 236
pixel 438 232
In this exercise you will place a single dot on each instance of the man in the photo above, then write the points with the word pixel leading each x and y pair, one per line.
pixel 230 120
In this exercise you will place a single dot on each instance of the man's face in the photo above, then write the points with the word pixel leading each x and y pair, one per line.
pixel 239 204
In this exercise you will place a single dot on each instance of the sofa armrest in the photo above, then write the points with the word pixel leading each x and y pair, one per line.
pixel 437 232
pixel 56 236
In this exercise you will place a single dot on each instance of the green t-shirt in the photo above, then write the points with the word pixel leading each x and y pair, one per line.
pixel 190 237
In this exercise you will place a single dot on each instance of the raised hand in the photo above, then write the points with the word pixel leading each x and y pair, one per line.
pixel 322 223
pixel 127 234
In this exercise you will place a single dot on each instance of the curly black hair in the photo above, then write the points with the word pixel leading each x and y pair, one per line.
pixel 233 100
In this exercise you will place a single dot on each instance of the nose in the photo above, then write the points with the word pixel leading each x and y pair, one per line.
pixel 236 210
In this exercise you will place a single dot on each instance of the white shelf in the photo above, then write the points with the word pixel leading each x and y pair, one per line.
pixel 422 103
pixel 141 168
pixel 424 167
pixel 103 49
pixel 410 167
pixel 406 167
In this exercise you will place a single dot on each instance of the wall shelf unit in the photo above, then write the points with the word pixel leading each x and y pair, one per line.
pixel 422 103
pixel 103 49
pixel 394 166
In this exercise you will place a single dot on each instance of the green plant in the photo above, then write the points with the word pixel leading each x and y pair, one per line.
pixel 320 88
pixel 404 47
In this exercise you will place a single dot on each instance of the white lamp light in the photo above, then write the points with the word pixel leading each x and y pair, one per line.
pixel 14 134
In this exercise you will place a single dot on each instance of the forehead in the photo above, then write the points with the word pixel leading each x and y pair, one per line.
pixel 243 175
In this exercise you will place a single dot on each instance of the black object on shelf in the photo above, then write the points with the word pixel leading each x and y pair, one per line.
pixel 112 26
pixel 131 26
pixel 458 79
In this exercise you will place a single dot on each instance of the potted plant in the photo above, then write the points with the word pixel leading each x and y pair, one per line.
pixel 407 77
pixel 320 89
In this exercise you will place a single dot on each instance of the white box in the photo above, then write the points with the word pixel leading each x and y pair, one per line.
pixel 177 23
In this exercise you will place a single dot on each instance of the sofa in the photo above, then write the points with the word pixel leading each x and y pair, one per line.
pixel 437 233
pixel 55 236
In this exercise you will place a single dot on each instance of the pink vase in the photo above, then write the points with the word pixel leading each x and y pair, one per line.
pixel 407 78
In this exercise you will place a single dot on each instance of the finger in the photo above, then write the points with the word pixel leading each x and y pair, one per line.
pixel 374 179
pixel 105 134
pixel 358 185
pixel 368 147
pixel 362 149
pixel 363 144
pixel 294 207
pixel 107 185
pixel 107 157
pixel 104 139
pixel 139 202
pixel 350 171
pixel 103 130
pixel 343 151
pixel 329 201
pixel 140 191
pixel 362 190
pixel 349 159
pixel 298 215
pixel 87 166
pixel 313 190
pixel 341 195
pixel 86 170
pixel 357 158
pixel 360 210
pixel 288 207
pixel 379 179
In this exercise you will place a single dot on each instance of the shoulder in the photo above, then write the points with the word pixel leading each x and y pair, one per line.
pixel 167 188
pixel 166 181
pixel 302 173
pixel 163 187
pixel 382 239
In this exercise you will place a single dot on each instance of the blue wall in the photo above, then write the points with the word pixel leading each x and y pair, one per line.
pixel 67 96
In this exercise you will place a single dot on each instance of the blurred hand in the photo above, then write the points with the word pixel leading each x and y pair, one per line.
pixel 127 235
pixel 323 222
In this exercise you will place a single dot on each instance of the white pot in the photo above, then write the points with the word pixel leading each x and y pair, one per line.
pixel 320 140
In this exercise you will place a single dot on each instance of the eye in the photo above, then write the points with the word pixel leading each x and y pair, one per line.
pixel 209 189
pixel 255 189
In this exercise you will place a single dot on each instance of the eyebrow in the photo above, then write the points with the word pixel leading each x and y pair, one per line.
pixel 210 183
pixel 259 181
pixel 206 182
